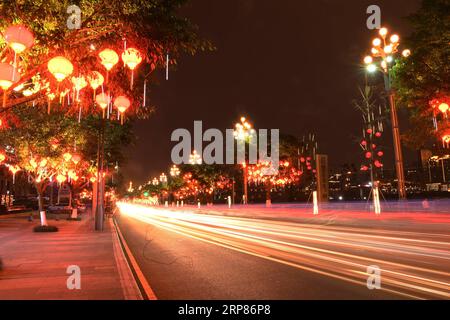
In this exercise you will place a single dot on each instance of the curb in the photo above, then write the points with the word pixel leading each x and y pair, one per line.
pixel 139 278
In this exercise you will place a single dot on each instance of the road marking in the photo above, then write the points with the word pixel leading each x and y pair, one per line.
pixel 143 284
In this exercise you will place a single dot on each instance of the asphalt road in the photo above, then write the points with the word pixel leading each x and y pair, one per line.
pixel 187 255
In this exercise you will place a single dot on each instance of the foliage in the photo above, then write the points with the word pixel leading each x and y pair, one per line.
pixel 152 27
pixel 425 75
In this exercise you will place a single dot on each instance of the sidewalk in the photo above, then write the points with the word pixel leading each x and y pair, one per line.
pixel 35 264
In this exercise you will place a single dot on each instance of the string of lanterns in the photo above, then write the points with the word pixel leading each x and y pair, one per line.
pixel 19 38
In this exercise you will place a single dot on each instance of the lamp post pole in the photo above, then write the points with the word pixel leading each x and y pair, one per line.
pixel 385 51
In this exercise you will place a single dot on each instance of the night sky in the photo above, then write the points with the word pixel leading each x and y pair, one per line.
pixel 292 65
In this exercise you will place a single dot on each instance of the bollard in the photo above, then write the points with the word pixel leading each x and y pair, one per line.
pixel 316 206
pixel 229 202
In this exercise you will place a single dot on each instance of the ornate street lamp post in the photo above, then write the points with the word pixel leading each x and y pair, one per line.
pixel 384 49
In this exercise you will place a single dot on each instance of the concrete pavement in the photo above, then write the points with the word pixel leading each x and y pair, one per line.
pixel 35 264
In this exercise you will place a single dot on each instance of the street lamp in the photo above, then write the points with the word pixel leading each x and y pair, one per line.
pixel 174 171
pixel 242 132
pixel 384 50
pixel 195 158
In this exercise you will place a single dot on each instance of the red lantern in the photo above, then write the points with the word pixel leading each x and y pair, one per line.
pixel 76 158
pixel 122 103
pixel 60 67
pixel 364 168
pixel 378 164
pixel 8 75
pixel 19 38
pixel 378 134
pixel 374 146
pixel 364 143
pixel 368 155
pixel 380 153
pixel 131 57
pixel 369 131
pixel 102 100
pixel 443 107
pixel 109 58
pixel 95 80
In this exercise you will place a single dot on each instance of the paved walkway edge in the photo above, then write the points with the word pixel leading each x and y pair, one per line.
pixel 139 280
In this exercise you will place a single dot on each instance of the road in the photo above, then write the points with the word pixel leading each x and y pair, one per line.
pixel 187 254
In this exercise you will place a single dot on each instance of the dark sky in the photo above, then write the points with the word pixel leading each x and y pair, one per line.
pixel 287 64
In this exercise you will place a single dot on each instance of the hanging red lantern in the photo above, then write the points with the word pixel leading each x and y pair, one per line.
pixel 95 79
pixel 378 164
pixel 122 103
pixel 76 158
pixel 368 155
pixel 364 168
pixel 443 107
pixel 380 153
pixel 369 131
pixel 109 58
pixel 60 67
pixel 374 146
pixel 19 38
pixel 364 143
pixel 132 58
pixel 8 75
pixel 67 156
pixel 378 134
pixel 102 100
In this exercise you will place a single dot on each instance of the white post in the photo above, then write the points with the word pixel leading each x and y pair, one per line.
pixel 43 218
pixel 182 203
pixel 229 202
pixel 316 206
pixel 74 213
pixel 376 201
pixel 268 203
pixel 178 203
pixel 198 204
pixel 166 203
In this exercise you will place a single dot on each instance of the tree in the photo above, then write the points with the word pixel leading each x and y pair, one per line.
pixel 425 75
pixel 152 27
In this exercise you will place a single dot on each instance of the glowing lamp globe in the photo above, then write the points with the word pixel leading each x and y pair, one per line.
pixel 102 100
pixel 95 80
pixel 8 75
pixel 19 38
pixel 122 103
pixel 368 60
pixel 443 107
pixel 2 157
pixel 109 58
pixel 131 57
pixel 60 68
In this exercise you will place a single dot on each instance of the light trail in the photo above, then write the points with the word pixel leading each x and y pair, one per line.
pixel 413 265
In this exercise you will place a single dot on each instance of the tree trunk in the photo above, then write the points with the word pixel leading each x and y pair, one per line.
pixel 268 196
pixel 40 190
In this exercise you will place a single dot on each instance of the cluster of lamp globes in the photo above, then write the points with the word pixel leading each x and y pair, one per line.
pixel 243 130
pixel 384 47
pixel 19 38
